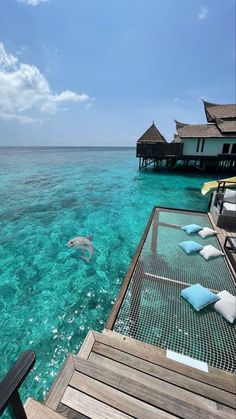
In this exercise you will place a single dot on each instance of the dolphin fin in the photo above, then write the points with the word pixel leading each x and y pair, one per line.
pixel 87 259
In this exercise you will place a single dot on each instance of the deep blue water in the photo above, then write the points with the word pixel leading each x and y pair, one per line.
pixel 49 297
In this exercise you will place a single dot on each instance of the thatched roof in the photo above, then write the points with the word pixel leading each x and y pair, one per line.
pixel 226 126
pixel 200 131
pixel 152 135
pixel 213 111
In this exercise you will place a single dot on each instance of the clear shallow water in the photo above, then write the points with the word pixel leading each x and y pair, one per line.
pixel 49 297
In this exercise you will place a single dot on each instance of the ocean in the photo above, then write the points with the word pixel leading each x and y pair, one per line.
pixel 49 296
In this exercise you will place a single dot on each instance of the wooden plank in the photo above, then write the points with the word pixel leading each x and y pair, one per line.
pixel 90 407
pixel 113 397
pixel 87 345
pixel 153 391
pixel 176 226
pixel 58 388
pixel 179 211
pixel 215 377
pixel 112 318
pixel 105 356
pixel 163 278
pixel 69 413
pixel 36 410
pixel 154 232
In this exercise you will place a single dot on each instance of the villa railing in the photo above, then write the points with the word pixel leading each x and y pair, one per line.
pixel 159 149
pixel 9 395
pixel 222 185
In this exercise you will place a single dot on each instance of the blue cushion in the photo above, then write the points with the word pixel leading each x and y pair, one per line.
pixel 191 228
pixel 199 296
pixel 190 246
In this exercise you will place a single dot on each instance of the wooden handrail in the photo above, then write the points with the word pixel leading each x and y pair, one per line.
pixel 12 381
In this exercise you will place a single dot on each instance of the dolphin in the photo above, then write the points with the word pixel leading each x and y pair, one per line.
pixel 84 244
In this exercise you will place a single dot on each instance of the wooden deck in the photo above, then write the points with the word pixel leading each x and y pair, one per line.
pixel 118 377
pixel 114 376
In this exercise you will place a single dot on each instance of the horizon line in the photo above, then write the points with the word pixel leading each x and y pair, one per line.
pixel 67 146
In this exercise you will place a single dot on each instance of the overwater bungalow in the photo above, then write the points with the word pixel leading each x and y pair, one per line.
pixel 202 146
pixel 158 356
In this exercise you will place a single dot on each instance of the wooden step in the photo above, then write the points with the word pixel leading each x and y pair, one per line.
pixel 36 410
pixel 166 399
pixel 119 377
pixel 215 377
pixel 109 389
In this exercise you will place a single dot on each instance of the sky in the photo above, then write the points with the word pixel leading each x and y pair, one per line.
pixel 99 72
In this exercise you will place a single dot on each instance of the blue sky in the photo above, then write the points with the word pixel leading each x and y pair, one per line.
pixel 97 73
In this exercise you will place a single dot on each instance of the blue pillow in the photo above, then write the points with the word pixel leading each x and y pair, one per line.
pixel 199 296
pixel 191 228
pixel 190 246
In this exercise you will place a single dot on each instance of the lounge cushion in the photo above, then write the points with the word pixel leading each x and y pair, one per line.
pixel 226 306
pixel 210 251
pixel 190 246
pixel 207 232
pixel 229 209
pixel 199 296
pixel 191 228
pixel 230 196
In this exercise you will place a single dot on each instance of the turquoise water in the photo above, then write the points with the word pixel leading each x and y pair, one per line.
pixel 49 297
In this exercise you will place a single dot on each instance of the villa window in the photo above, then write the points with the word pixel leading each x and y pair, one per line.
pixel 198 145
pixel 203 143
pixel 225 148
pixel 233 150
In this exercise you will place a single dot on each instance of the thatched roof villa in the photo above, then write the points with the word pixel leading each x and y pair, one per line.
pixel 210 145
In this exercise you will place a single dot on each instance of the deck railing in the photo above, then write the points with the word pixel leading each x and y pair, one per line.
pixel 222 184
pixel 9 386
pixel 159 149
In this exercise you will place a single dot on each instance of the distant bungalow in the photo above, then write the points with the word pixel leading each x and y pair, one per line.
pixel 210 145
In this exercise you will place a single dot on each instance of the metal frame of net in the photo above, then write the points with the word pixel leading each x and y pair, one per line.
pixel 153 310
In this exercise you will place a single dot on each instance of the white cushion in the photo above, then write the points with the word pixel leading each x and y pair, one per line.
pixel 230 196
pixel 210 251
pixel 226 306
pixel 207 232
pixel 229 207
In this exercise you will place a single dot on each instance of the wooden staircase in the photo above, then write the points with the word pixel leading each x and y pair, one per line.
pixel 114 376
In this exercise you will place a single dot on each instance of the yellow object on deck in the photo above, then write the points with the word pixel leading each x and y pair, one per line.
pixel 208 186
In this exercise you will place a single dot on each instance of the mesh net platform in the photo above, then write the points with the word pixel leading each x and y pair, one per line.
pixel 153 310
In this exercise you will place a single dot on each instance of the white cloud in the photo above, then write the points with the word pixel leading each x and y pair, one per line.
pixel 67 95
pixel 20 118
pixel 24 90
pixel 32 2
pixel 203 13
pixel 22 49
pixel 6 60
